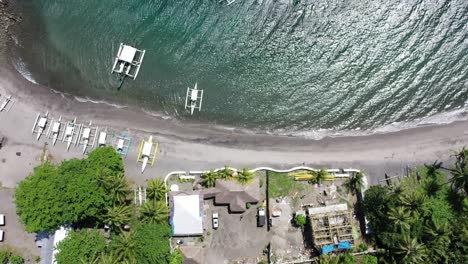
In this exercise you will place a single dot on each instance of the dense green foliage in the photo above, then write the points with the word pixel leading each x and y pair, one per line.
pixel 151 243
pixel 354 184
pixel 420 220
pixel 154 212
pixel 156 190
pixel 123 247
pixel 4 255
pixel 245 176
pixel 369 259
pixel 300 220
pixel 177 257
pixel 16 259
pixel 337 259
pixel 82 245
pixel 209 178
pixel 71 192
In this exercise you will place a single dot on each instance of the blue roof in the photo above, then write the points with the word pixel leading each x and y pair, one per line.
pixel 327 249
pixel 344 245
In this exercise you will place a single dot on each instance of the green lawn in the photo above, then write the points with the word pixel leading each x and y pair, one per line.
pixel 281 185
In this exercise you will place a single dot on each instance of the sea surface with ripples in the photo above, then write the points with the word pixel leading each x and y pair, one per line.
pixel 274 65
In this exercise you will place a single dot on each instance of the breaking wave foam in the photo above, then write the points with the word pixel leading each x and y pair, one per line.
pixel 21 67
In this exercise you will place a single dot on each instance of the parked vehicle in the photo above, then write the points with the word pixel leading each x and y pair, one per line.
pixel 261 216
pixel 215 220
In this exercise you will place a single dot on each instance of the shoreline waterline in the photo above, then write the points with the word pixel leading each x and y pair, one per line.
pixel 444 118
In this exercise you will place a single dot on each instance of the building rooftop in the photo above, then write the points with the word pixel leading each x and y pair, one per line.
pixel 186 216
pixel 233 194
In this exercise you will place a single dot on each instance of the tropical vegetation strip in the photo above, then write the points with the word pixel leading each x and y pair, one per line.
pixel 420 218
pixel 92 196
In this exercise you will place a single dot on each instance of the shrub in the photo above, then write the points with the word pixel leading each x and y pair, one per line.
pixel 4 255
pixel 177 257
pixel 80 245
pixel 362 247
pixel 369 259
pixel 300 220
pixel 151 243
pixel 15 259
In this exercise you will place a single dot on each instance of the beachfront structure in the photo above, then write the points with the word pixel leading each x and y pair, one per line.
pixel 87 136
pixel 331 226
pixel 40 124
pixel 54 130
pixel 147 152
pixel 71 133
pixel 128 61
pixel 193 99
pixel 236 196
pixel 186 216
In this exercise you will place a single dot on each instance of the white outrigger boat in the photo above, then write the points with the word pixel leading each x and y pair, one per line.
pixel 128 61
pixel 40 124
pixel 56 124
pixel 102 138
pixel 192 97
pixel 69 133
pixel 86 135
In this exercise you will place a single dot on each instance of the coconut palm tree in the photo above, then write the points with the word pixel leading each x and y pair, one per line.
pixel 329 259
pixel 354 183
pixel 321 175
pixel 438 240
pixel 414 202
pixel 400 217
pixel 156 190
pixel 124 247
pixel 154 212
pixel 209 178
pixel 245 176
pixel 411 251
pixel 460 173
pixel 226 173
pixel 115 185
pixel 109 258
pixel 117 215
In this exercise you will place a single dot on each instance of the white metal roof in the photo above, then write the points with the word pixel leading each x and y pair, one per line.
pixel 187 219
pixel 128 53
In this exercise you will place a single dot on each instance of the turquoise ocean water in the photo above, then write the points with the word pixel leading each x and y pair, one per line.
pixel 283 65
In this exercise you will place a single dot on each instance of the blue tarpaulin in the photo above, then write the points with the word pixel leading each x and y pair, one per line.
pixel 344 245
pixel 327 249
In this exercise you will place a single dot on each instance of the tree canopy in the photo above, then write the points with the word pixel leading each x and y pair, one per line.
pixel 151 243
pixel 421 219
pixel 83 245
pixel 71 192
